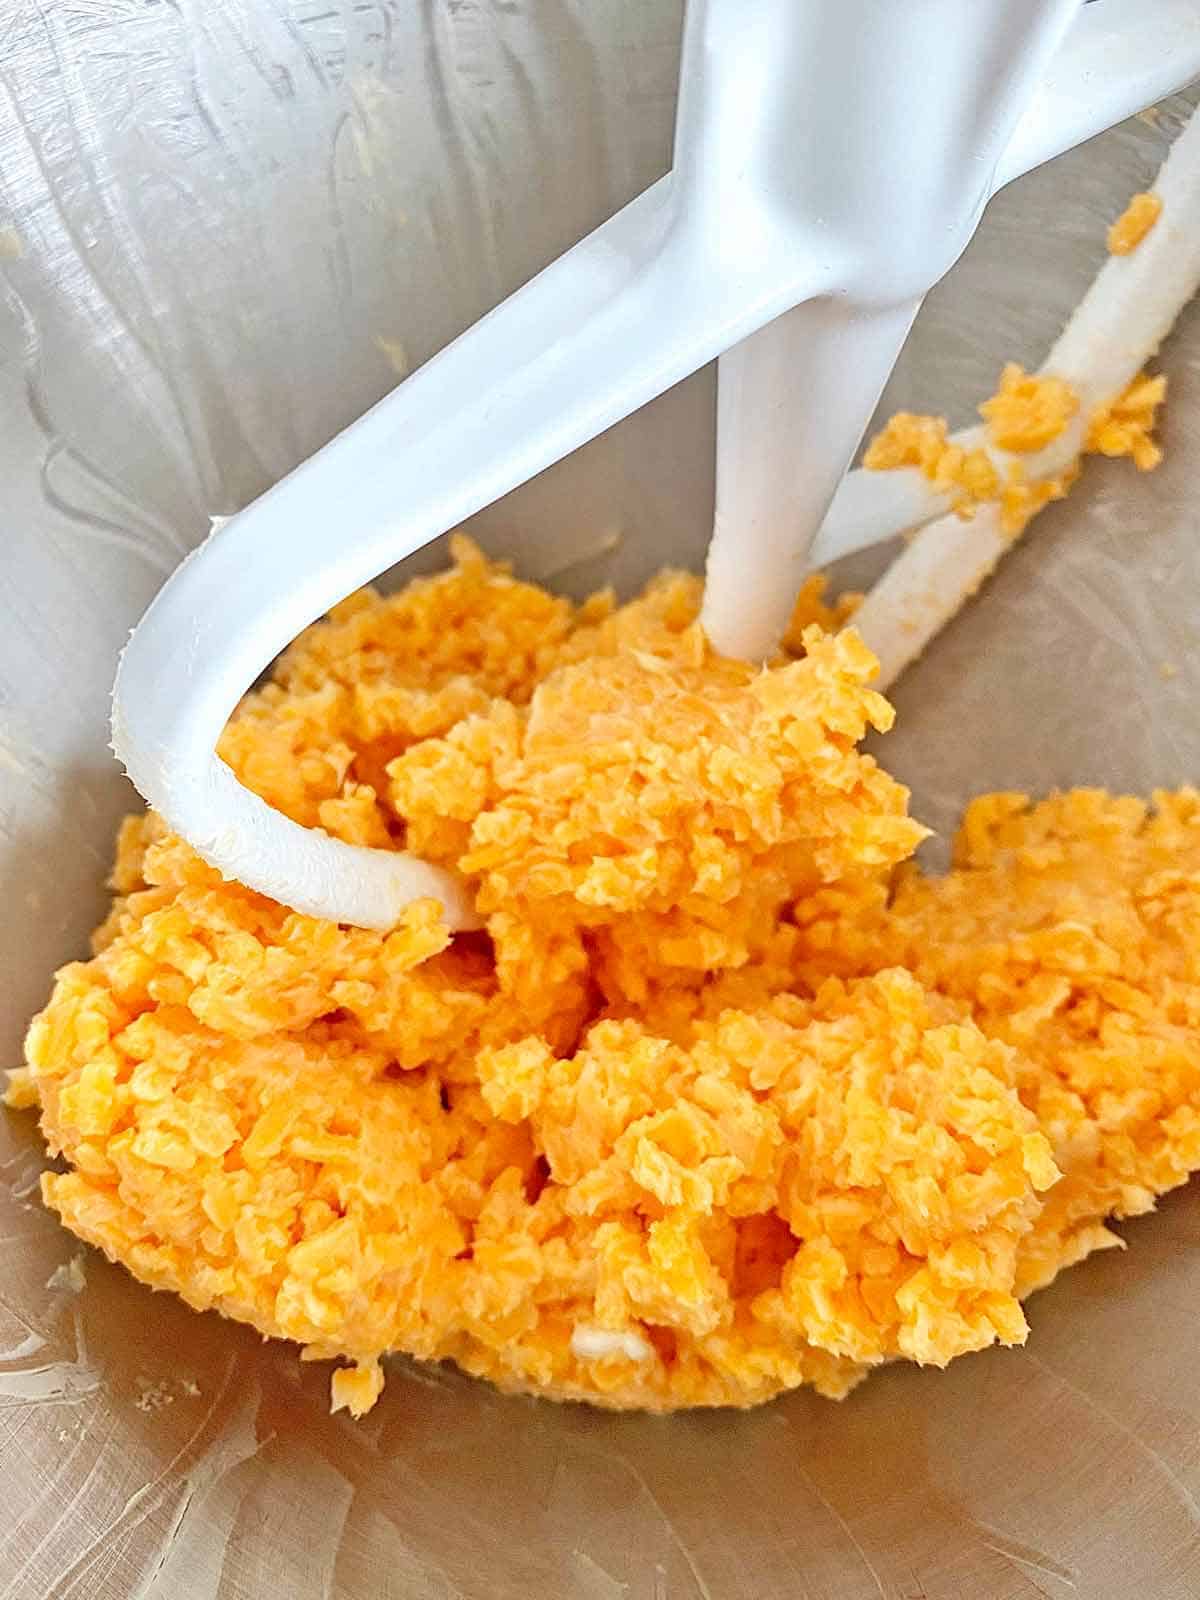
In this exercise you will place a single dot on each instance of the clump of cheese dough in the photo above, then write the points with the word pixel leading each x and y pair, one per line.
pixel 1071 931
pixel 716 1106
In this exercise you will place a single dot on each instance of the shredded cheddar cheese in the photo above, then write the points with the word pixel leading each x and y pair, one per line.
pixel 727 1098
pixel 1134 223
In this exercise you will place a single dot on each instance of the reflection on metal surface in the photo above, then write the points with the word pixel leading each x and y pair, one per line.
pixel 219 223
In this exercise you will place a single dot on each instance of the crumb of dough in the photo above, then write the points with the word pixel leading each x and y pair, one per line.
pixel 21 1093
pixel 813 606
pixel 725 1099
pixel 356 1389
pixel 1028 410
pixel 1027 413
pixel 1126 427
pixel 1134 223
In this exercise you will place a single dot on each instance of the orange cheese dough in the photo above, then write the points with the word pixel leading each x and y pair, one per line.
pixel 1027 413
pixel 1126 427
pixel 725 1099
pixel 1071 931
pixel 1134 223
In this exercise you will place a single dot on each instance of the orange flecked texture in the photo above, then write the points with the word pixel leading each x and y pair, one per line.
pixel 1027 413
pixel 910 440
pixel 1071 931
pixel 707 1112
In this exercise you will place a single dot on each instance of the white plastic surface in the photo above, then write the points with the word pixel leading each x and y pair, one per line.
pixel 683 273
pixel 1116 59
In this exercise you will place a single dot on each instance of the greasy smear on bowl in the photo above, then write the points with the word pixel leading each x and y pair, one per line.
pixel 727 1097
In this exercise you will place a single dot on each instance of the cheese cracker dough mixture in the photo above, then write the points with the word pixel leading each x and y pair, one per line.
pixel 726 1099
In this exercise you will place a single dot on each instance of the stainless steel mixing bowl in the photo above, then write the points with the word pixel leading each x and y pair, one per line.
pixel 223 228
